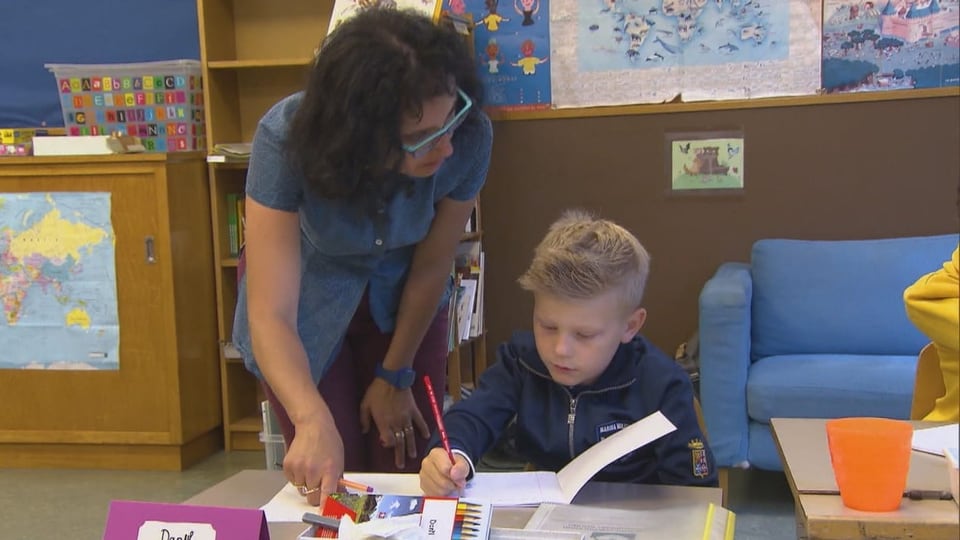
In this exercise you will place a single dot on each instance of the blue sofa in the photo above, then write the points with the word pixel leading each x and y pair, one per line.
pixel 809 329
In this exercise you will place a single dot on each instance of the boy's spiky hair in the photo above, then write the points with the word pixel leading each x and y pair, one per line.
pixel 583 256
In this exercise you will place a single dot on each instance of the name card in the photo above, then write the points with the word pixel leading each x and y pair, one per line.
pixel 138 520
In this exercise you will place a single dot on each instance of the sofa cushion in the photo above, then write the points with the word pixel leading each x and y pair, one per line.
pixel 841 297
pixel 830 386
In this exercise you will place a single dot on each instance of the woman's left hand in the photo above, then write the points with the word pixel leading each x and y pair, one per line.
pixel 396 416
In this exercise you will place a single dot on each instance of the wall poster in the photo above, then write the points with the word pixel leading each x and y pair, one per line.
pixel 700 161
pixel 58 282
pixel 616 52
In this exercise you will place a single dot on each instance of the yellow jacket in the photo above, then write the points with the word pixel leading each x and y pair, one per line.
pixel 933 306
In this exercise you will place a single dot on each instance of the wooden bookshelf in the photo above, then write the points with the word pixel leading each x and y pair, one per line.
pixel 253 53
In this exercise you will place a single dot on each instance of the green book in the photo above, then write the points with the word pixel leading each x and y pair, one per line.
pixel 233 229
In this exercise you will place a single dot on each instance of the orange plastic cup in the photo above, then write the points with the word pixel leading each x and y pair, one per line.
pixel 871 459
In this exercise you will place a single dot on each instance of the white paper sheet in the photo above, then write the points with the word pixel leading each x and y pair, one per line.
pixel 934 440
pixel 688 521
pixel 640 433
pixel 501 488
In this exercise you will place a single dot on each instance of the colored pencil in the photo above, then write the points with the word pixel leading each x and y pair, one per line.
pixel 357 486
pixel 439 418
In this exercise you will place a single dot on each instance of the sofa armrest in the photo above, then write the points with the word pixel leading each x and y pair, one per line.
pixel 725 303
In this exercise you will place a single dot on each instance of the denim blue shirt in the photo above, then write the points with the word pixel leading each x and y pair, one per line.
pixel 342 249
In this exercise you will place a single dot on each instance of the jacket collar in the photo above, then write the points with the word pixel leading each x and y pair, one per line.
pixel 621 371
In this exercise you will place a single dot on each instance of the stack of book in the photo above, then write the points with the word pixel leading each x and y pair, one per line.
pixel 236 207
pixel 467 300
pixel 230 153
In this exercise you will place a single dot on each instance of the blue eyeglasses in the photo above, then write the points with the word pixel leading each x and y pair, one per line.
pixel 424 147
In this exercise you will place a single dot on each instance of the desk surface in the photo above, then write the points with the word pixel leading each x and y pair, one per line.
pixel 802 443
pixel 254 488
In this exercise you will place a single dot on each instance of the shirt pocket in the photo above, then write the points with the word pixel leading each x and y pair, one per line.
pixel 336 235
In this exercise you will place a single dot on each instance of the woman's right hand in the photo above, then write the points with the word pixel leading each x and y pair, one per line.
pixel 315 459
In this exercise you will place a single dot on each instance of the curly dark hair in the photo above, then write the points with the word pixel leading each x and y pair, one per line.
pixel 372 71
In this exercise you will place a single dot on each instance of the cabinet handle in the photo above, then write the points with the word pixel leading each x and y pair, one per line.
pixel 148 246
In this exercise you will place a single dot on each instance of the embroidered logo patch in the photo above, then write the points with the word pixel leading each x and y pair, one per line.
pixel 698 457
pixel 608 429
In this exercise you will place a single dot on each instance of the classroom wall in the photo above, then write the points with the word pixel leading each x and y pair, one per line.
pixel 38 32
pixel 862 170
pixel 858 170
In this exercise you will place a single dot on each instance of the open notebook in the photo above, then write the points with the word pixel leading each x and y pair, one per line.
pixel 502 488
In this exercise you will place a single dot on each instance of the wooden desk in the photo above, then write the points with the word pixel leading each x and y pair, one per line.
pixel 802 444
pixel 253 489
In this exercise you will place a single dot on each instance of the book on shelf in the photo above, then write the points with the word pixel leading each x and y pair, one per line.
pixel 476 322
pixel 468 270
pixel 465 302
pixel 241 222
pixel 236 205
pixel 233 224
pixel 438 517
pixel 230 153
pixel 473 224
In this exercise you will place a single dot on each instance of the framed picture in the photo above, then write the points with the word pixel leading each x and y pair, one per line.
pixel 705 161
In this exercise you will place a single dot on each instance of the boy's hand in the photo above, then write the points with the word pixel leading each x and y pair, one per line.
pixel 438 478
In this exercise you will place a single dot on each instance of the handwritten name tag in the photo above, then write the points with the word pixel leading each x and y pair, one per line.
pixel 162 530
pixel 160 521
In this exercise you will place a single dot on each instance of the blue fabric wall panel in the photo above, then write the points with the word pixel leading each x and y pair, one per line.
pixel 38 32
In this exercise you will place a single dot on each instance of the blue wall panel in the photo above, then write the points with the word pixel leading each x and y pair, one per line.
pixel 38 32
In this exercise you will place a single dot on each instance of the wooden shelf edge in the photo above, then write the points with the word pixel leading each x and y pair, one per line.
pixel 732 104
pixel 247 424
pixel 259 63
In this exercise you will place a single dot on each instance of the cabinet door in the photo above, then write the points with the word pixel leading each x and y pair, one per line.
pixel 131 404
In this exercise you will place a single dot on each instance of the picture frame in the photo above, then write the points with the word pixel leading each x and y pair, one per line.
pixel 708 161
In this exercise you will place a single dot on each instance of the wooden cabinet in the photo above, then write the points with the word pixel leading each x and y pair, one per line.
pixel 161 409
pixel 253 53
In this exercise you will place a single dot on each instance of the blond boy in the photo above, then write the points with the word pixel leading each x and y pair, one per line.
pixel 584 374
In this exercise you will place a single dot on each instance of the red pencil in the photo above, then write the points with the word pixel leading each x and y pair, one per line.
pixel 439 417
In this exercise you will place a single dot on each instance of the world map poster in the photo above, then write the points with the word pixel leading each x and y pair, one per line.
pixel 58 282
pixel 615 52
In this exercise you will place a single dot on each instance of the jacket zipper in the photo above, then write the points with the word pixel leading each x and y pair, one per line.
pixel 572 415
pixel 571 418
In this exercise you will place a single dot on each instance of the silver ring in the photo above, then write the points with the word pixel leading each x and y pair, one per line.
pixel 408 429
pixel 398 435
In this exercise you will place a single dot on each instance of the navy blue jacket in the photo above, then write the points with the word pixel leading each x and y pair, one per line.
pixel 556 423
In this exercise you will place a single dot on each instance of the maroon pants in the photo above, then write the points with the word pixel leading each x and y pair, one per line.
pixel 345 383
